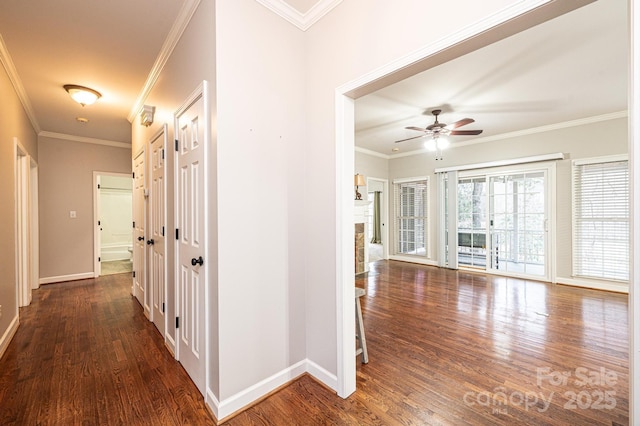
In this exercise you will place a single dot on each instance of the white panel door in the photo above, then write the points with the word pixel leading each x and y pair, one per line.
pixel 157 215
pixel 191 255
pixel 139 227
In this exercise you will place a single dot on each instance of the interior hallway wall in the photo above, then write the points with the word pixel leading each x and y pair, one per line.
pixel 14 123
pixel 66 184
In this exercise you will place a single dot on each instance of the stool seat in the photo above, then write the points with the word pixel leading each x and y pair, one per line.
pixel 360 327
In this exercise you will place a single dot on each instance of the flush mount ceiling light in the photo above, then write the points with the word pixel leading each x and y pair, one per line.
pixel 82 95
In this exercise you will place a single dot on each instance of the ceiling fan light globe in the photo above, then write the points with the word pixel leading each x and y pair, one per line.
pixel 442 143
pixel 430 145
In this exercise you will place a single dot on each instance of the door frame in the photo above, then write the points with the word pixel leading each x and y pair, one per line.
pixel 202 91
pixel 510 20
pixel 97 267
pixel 23 224
pixel 384 214
pixel 149 274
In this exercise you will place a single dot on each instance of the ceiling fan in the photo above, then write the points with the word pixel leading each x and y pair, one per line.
pixel 437 129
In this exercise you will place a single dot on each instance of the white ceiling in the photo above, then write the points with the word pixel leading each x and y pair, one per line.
pixel 109 46
pixel 113 46
pixel 571 68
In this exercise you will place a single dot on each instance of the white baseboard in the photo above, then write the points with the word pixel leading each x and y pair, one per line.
pixel 8 335
pixel 62 278
pixel 242 399
pixel 618 287
pixel 170 344
pixel 322 375
pixel 413 259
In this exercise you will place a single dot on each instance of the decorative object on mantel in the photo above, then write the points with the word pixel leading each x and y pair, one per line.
pixel 358 180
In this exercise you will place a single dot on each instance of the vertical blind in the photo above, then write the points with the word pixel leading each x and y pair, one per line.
pixel 601 220
pixel 410 199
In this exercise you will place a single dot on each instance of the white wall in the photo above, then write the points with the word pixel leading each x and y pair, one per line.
pixel 191 62
pixel 262 189
pixel 14 123
pixel 355 39
pixel 66 184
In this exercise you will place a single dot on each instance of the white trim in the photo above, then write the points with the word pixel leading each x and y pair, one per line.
pixel 64 278
pixel 97 246
pixel 500 163
pixel 201 91
pixel 400 65
pixel 322 374
pixel 345 256
pixel 413 259
pixel 634 214
pixel 245 397
pixel 520 133
pixel 16 82
pixel 73 138
pixel 8 335
pixel 180 24
pixel 373 153
pixel 303 21
pixel 618 287
pixel 604 159
pixel 499 25
pixel 410 179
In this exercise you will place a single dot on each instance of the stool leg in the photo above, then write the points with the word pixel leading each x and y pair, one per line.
pixel 360 332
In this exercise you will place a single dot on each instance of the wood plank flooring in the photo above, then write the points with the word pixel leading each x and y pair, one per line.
pixel 85 354
pixel 459 348
pixel 445 348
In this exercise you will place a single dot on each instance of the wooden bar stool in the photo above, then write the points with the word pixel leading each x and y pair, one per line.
pixel 360 327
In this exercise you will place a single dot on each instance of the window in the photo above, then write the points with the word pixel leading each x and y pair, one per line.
pixel 411 216
pixel 601 219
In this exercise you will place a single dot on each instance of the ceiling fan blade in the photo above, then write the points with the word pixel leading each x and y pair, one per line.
pixel 460 123
pixel 420 129
pixel 408 139
pixel 465 132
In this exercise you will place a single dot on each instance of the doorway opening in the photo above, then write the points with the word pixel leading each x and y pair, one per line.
pixel 27 249
pixel 377 231
pixel 113 223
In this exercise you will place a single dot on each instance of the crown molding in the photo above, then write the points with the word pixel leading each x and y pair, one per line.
pixel 182 20
pixel 82 139
pixel 10 68
pixel 372 153
pixel 526 132
pixel 303 21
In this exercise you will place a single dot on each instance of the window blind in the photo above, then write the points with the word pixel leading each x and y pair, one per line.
pixel 410 200
pixel 601 220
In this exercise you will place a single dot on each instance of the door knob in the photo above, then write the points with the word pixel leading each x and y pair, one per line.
pixel 140 238
pixel 150 242
pixel 198 261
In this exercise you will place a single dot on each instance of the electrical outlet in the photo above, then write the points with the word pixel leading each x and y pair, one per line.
pixel 0 311
pixel 73 214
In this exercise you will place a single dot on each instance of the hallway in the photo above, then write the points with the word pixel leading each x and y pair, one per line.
pixel 85 354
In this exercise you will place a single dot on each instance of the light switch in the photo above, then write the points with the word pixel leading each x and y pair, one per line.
pixel 72 214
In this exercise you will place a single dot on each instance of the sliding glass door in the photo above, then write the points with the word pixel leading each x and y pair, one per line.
pixel 501 220
pixel 517 223
pixel 472 222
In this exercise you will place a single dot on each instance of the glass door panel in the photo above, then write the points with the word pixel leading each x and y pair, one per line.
pixel 472 222
pixel 517 222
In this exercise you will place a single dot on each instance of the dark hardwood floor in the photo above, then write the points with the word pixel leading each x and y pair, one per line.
pixel 459 348
pixel 445 347
pixel 85 354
